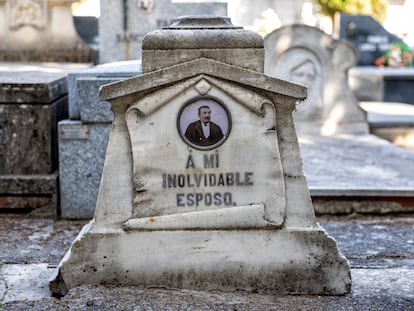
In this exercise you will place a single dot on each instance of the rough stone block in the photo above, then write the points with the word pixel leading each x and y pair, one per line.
pixel 31 104
pixel 29 140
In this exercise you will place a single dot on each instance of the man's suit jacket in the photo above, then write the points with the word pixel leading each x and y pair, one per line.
pixel 194 134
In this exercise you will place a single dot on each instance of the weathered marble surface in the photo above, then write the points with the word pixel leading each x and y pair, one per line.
pixel 167 47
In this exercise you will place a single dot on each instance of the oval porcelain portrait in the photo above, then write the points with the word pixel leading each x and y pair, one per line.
pixel 204 123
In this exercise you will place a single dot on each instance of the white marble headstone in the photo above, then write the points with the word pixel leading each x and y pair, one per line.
pixel 203 185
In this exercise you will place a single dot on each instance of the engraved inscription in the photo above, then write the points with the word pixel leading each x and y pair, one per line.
pixel 199 184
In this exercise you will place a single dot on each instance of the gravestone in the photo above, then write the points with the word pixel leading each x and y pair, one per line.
pixel 202 186
pixel 31 104
pixel 392 85
pixel 123 24
pixel 40 31
pixel 83 137
pixel 367 36
pixel 307 55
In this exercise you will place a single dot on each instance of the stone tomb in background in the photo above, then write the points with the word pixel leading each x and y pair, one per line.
pixel 344 168
pixel 229 210
pixel 32 100
pixel 123 24
pixel 307 55
pixel 83 137
pixel 40 31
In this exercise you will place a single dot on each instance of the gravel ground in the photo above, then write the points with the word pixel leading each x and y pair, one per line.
pixel 380 250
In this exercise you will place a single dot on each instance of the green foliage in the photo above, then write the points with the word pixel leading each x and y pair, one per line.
pixel 376 8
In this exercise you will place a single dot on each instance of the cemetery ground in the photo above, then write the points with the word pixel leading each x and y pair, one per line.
pixel 380 249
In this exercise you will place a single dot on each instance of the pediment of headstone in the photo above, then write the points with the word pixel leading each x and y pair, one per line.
pixel 309 56
pixel 162 77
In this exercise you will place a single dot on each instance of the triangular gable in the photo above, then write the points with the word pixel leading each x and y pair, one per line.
pixel 205 66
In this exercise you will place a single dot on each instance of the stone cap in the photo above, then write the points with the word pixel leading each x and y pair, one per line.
pixel 201 32
pixel 202 36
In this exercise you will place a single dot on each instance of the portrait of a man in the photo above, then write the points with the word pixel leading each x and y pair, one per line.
pixel 204 132
pixel 204 123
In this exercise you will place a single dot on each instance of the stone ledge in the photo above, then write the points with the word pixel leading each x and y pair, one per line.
pixel 238 217
pixel 29 184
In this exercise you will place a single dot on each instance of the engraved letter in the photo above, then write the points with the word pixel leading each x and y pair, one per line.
pixel 190 162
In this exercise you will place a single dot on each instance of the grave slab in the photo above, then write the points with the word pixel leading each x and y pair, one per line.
pixel 392 121
pixel 166 182
pixel 351 165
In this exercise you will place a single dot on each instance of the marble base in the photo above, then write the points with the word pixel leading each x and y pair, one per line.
pixel 270 261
